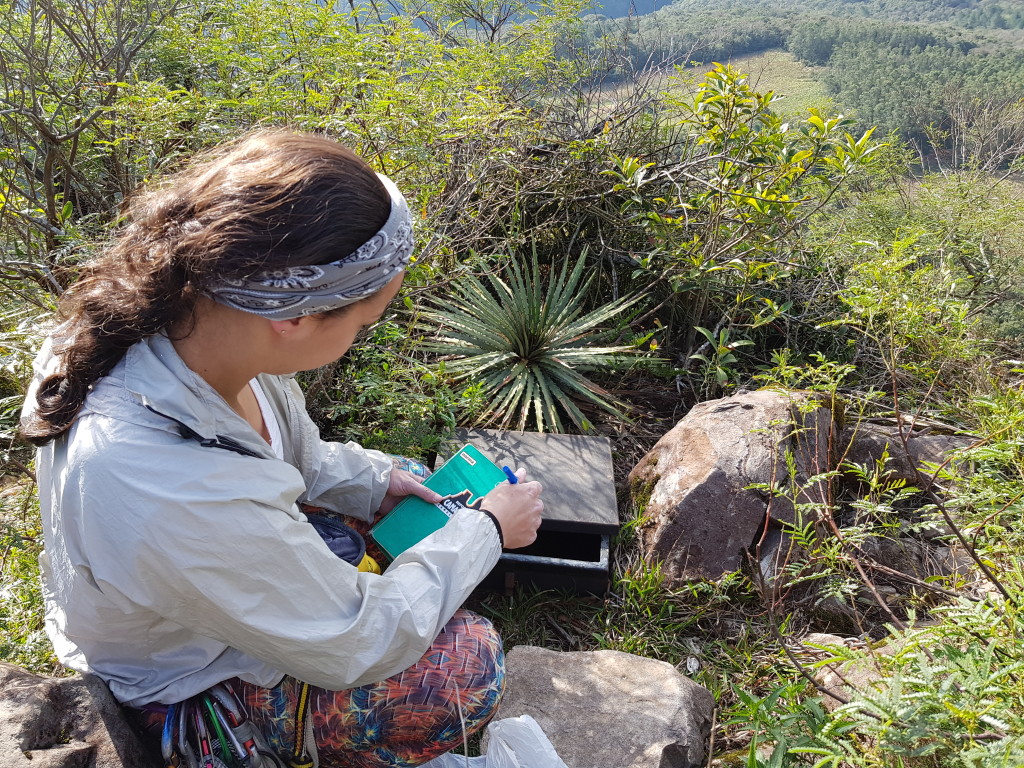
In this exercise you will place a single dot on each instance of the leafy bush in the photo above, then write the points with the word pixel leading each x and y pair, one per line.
pixel 951 691
pixel 727 213
pixel 966 225
pixel 920 335
pixel 384 397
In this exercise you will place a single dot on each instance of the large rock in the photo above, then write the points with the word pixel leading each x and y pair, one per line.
pixel 916 558
pixel 70 722
pixel 700 512
pixel 605 709
pixel 866 444
pixel 864 675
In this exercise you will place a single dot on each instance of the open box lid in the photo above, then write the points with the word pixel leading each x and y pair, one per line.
pixel 576 471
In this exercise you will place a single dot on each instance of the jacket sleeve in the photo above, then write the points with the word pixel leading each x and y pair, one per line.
pixel 220 549
pixel 344 477
pixel 347 478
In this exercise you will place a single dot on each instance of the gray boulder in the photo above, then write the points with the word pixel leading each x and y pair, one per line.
pixel 70 722
pixel 607 708
pixel 694 485
pixel 920 559
pixel 865 444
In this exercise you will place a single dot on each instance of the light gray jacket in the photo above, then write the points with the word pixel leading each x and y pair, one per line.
pixel 170 566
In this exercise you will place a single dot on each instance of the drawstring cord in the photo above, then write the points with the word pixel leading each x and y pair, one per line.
pixel 219 441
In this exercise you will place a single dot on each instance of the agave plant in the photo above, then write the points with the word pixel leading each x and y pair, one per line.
pixel 527 347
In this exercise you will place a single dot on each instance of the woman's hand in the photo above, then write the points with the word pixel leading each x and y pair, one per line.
pixel 517 508
pixel 404 483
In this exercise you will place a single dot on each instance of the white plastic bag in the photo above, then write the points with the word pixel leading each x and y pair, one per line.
pixel 516 742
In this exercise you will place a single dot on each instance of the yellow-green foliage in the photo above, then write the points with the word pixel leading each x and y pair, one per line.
pixel 911 313
pixel 22 639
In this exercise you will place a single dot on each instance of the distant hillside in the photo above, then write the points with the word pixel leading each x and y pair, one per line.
pixel 968 14
pixel 948 75
pixel 615 9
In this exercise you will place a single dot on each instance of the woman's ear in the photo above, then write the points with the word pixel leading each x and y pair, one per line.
pixel 286 327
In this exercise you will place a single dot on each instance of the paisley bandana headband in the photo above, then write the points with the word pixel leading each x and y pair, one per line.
pixel 291 292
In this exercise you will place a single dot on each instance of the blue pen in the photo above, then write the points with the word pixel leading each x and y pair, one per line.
pixel 512 479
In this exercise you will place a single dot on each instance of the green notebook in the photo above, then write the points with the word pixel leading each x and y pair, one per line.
pixel 462 480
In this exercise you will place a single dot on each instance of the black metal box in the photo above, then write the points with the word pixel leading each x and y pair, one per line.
pixel 580 510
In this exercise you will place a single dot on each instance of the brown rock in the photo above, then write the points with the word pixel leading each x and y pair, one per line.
pixel 863 675
pixel 701 513
pixel 838 680
pixel 70 722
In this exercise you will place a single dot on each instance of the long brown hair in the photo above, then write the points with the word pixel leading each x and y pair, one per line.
pixel 269 199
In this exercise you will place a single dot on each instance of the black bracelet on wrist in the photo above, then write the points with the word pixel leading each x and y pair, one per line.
pixel 497 526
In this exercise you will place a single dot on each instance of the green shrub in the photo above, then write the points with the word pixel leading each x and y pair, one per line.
pixel 385 398
pixel 23 640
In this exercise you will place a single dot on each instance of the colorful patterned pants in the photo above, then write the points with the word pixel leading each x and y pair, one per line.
pixel 430 708
pixel 406 720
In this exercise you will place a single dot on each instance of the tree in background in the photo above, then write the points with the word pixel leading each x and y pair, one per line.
pixel 64 67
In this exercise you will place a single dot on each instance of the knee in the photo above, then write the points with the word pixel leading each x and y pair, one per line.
pixel 466 626
pixel 473 646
